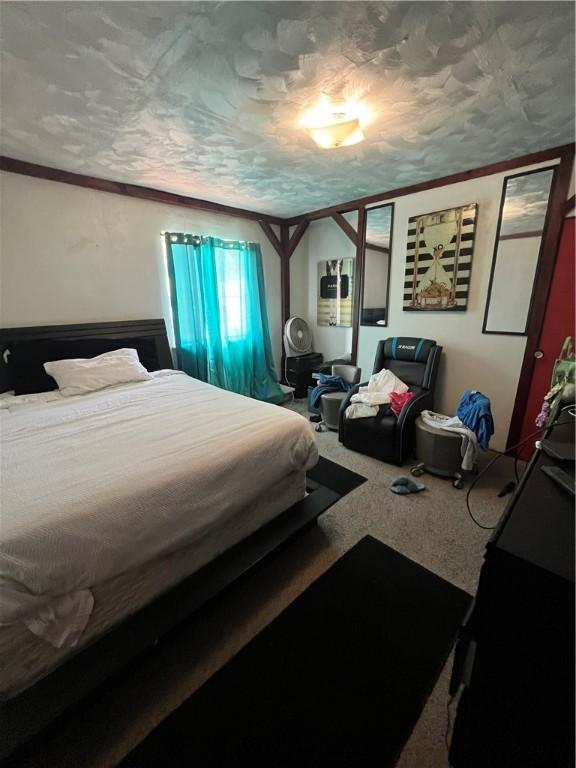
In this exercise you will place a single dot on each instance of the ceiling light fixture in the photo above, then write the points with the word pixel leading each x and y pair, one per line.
pixel 334 125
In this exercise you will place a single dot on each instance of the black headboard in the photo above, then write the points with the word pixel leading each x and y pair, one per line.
pixel 149 330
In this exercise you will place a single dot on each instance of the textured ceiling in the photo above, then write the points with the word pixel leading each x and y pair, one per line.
pixel 204 98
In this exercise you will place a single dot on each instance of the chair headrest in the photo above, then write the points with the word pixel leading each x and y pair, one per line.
pixel 408 348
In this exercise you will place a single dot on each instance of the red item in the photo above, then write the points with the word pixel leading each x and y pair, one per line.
pixel 398 400
pixel 558 323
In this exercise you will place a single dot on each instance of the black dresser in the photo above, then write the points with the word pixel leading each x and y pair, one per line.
pixel 515 654
pixel 299 371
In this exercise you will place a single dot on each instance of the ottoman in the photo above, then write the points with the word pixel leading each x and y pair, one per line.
pixel 330 408
pixel 439 452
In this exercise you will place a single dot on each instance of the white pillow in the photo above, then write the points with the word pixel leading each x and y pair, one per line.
pixel 77 377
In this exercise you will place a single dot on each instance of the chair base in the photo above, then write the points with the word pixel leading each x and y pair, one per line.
pixel 374 436
pixel 386 453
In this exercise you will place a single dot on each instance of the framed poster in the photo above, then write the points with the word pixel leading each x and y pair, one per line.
pixel 439 260
pixel 335 292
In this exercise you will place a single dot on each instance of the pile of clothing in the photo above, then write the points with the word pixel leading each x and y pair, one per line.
pixel 327 383
pixel 473 421
pixel 475 413
pixel 384 388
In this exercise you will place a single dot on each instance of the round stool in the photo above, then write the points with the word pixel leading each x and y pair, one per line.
pixel 330 408
pixel 439 452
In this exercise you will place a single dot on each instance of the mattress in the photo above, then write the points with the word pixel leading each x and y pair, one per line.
pixel 26 658
pixel 97 485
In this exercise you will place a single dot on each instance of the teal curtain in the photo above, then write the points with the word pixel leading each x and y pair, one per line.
pixel 220 316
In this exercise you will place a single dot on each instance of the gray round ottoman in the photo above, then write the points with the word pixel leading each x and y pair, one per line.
pixel 330 408
pixel 438 451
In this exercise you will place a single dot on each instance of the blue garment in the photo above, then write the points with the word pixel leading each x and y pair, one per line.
pixel 220 317
pixel 474 412
pixel 328 384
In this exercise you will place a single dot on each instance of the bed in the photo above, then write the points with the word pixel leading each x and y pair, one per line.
pixel 145 499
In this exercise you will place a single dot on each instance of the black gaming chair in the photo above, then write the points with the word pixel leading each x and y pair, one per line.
pixel 386 437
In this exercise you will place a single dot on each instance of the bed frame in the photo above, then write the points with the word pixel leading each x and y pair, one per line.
pixel 35 708
pixel 147 330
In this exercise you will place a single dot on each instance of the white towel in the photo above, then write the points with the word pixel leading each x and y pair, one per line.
pixel 361 411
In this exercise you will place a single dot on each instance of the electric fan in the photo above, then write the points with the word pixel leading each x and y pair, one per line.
pixel 297 337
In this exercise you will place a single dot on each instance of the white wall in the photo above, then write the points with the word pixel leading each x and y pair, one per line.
pixel 73 255
pixel 471 360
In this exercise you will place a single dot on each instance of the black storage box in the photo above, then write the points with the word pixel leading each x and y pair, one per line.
pixel 299 371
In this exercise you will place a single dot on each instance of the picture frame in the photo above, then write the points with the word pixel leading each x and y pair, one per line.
pixel 439 254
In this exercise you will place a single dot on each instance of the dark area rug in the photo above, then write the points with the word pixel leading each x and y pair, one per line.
pixel 335 476
pixel 338 679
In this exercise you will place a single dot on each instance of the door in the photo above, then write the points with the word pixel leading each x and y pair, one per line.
pixel 558 323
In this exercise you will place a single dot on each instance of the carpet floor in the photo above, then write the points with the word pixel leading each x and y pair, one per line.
pixel 338 679
pixel 431 528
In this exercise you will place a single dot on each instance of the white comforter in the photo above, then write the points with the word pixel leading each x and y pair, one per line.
pixel 97 484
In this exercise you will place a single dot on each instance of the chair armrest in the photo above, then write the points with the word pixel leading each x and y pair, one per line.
pixel 406 419
pixel 413 408
pixel 346 402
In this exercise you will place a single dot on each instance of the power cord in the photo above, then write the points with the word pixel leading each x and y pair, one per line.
pixel 499 456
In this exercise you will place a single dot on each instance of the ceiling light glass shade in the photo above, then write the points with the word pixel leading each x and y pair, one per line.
pixel 337 135
pixel 333 125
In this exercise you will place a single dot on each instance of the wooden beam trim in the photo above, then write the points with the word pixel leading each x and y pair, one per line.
pixel 521 235
pixel 297 236
pixel 271 235
pixel 454 178
pixel 24 168
pixel 284 288
pixel 358 283
pixel 346 227
pixel 129 190
pixel 542 282
pixel 374 247
pixel 570 205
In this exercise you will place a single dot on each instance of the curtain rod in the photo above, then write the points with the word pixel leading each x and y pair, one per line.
pixel 176 235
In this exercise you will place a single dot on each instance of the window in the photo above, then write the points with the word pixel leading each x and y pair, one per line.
pixel 231 290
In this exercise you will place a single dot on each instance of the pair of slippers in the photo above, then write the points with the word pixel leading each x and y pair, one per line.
pixel 403 485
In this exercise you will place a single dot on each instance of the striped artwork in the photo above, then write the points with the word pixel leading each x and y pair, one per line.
pixel 439 260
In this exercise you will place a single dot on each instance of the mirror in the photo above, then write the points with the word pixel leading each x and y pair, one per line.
pixel 523 210
pixel 376 278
